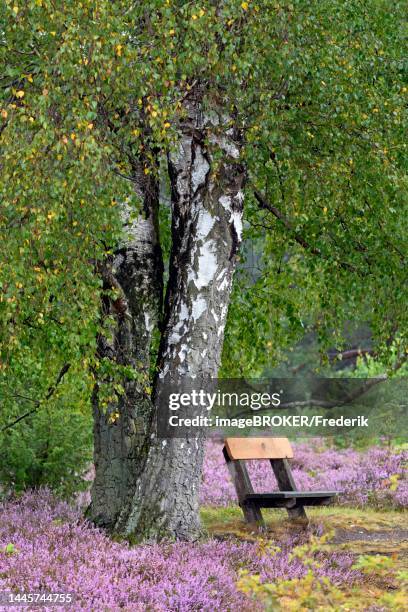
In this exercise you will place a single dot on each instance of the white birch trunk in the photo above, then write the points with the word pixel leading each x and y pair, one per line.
pixel 207 202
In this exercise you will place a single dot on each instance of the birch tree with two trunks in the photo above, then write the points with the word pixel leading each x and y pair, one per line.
pixel 134 135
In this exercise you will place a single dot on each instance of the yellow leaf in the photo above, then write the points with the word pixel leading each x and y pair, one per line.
pixel 20 94
pixel 244 6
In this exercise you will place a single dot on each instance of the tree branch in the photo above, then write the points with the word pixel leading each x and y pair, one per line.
pixel 349 354
pixel 279 215
pixel 317 403
pixel 50 392
pixel 296 236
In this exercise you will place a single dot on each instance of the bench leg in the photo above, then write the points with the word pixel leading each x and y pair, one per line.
pixel 298 512
pixel 283 475
pixel 252 514
pixel 243 487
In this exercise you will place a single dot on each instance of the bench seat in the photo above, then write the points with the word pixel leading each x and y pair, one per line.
pixel 288 499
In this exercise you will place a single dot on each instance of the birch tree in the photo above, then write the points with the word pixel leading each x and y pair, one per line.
pixel 283 119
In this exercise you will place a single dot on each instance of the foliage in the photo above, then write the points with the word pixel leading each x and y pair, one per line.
pixel 326 149
pixel 52 447
pixel 316 592
pixel 90 88
pixel 307 593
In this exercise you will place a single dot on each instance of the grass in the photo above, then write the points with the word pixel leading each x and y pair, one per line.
pixel 365 531
pixel 230 520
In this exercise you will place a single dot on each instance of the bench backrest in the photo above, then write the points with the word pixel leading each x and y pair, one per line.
pixel 258 448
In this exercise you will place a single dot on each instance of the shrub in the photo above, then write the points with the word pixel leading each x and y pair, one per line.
pixel 51 547
pixel 318 588
pixel 52 447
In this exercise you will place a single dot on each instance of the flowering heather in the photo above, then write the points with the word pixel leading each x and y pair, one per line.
pixel 56 550
pixel 376 476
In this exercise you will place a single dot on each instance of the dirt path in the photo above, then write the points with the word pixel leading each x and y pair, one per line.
pixel 365 535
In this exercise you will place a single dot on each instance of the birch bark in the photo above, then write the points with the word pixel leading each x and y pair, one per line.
pixel 135 274
pixel 207 203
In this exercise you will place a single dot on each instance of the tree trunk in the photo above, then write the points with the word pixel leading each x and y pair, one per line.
pixel 134 273
pixel 207 203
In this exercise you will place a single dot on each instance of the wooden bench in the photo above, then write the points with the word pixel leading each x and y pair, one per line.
pixel 278 451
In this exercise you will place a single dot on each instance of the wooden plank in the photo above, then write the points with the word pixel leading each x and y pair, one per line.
pixel 283 475
pixel 291 494
pixel 258 448
pixel 243 487
pixel 293 504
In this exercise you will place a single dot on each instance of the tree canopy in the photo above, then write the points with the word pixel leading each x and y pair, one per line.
pixel 319 91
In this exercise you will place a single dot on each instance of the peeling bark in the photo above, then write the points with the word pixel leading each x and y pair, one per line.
pixel 207 203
